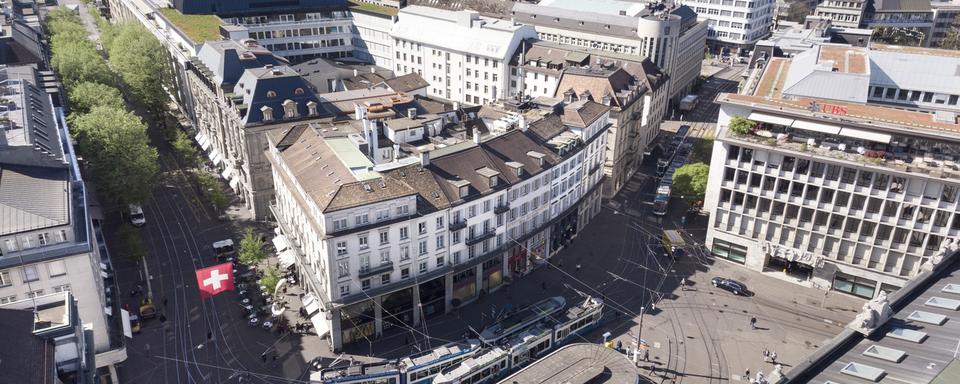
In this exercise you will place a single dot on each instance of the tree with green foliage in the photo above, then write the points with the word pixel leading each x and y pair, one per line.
pixel 798 11
pixel 702 150
pixel 132 242
pixel 59 17
pixel 270 279
pixel 115 144
pixel 741 125
pixel 188 153
pixel 952 38
pixel 141 62
pixel 211 189
pixel 78 61
pixel 88 95
pixel 251 248
pixel 690 181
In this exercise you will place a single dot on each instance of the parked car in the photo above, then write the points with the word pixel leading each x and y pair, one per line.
pixel 147 309
pixel 136 215
pixel 734 286
pixel 224 250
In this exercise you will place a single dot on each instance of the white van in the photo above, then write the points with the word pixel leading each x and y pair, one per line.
pixel 136 216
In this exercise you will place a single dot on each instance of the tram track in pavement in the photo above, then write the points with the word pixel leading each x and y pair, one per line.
pixel 209 312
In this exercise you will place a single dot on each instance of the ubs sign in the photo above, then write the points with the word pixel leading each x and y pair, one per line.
pixel 792 254
pixel 831 109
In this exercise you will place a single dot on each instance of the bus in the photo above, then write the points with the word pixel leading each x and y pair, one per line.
pixel 662 200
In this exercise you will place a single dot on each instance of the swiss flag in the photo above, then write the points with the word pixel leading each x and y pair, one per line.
pixel 215 279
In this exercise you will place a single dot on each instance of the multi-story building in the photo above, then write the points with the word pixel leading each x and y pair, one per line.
pixel 634 88
pixel 47 342
pixel 844 13
pixel 668 34
pixel 298 34
pixel 46 240
pixel 469 62
pixel 400 219
pixel 839 195
pixel 735 24
pixel 892 18
pixel 242 91
pixel 945 13
pixel 921 79
pixel 372 42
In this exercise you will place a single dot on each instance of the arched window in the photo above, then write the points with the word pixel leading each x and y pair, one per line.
pixel 298 91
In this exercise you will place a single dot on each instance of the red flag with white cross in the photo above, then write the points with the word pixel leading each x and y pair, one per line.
pixel 215 279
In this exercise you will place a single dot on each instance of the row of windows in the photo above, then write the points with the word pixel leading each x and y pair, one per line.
pixel 283 33
pixel 30 273
pixel 32 241
pixel 916 96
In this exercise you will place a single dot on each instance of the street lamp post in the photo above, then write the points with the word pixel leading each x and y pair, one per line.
pixel 636 349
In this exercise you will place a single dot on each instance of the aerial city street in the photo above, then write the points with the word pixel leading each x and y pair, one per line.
pixel 480 191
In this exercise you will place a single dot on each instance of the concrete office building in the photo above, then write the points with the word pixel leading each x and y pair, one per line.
pixel 46 240
pixel 464 56
pixel 735 24
pixel 400 219
pixel 833 194
pixel 844 13
pixel 372 42
pixel 668 34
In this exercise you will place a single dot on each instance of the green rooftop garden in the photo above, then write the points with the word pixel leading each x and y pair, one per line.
pixel 375 8
pixel 199 28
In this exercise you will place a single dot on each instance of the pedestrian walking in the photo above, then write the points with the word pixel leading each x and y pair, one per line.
pixel 753 323
pixel 773 357
pixel 578 268
pixel 263 357
pixel 543 285
pixel 619 345
pixel 746 374
pixel 683 283
pixel 646 355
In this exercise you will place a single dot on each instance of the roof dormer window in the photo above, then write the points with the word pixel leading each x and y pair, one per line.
pixel 267 113
pixel 289 109
pixel 271 94
pixel 298 91
pixel 312 108
pixel 463 187
pixel 491 175
pixel 517 167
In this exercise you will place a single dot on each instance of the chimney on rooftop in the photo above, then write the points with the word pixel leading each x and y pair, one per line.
pixel 476 136
pixel 356 72
pixel 412 113
pixel 424 158
pixel 373 69
pixel 522 123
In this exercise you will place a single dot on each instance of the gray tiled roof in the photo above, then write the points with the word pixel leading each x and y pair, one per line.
pixel 32 198
pixel 227 59
pixel 258 84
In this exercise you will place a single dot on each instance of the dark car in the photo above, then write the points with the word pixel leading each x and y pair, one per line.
pixel 734 286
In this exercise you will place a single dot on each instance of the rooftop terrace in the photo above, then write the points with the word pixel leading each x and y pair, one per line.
pixel 199 28
pixel 375 8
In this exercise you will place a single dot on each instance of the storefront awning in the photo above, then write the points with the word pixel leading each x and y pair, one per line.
pixel 202 140
pixel 816 127
pixel 287 258
pixel 310 304
pixel 227 172
pixel 765 118
pixel 280 243
pixel 215 157
pixel 320 324
pixel 866 135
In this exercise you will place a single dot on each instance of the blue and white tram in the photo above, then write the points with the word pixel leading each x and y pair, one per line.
pixel 422 367
pixel 482 368
pixel 529 345
pixel 373 373
pixel 578 320
pixel 516 322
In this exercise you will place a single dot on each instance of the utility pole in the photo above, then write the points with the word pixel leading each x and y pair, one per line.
pixel 636 349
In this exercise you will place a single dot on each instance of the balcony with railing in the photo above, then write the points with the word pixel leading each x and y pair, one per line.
pixel 478 237
pixel 501 208
pixel 456 225
pixel 912 154
pixel 368 271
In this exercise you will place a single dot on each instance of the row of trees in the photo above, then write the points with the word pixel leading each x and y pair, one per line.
pixel 112 139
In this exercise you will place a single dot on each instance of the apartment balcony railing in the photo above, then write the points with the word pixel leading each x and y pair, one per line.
pixel 457 225
pixel 373 271
pixel 502 208
pixel 480 237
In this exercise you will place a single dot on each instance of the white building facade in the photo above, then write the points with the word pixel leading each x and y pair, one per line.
pixel 468 62
pixel 406 241
pixel 736 24
pixel 372 42
pixel 841 196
